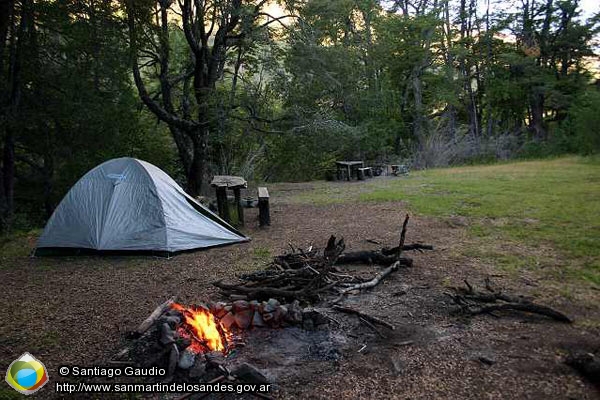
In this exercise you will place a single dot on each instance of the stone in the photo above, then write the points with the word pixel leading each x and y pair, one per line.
pixel 257 320
pixel 183 342
pixel 167 334
pixel 283 310
pixel 173 313
pixel 254 305
pixel 228 320
pixel 214 359
pixel 317 317
pixel 199 368
pixel 172 320
pixel 186 359
pixel 308 324
pixel 271 305
pixel 250 374
pixel 294 314
pixel 243 319
pixel 240 305
pixel 267 316
pixel 218 309
pixel 173 359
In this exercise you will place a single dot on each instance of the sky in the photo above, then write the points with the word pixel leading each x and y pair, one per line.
pixel 589 7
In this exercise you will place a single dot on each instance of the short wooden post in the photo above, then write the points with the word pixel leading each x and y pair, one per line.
pixel 222 204
pixel 264 216
pixel 360 174
pixel 349 172
pixel 240 208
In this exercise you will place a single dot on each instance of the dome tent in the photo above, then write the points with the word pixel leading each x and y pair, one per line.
pixel 129 204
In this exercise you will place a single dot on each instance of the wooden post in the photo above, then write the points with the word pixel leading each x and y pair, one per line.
pixel 222 203
pixel 264 216
pixel 349 172
pixel 240 208
pixel 360 174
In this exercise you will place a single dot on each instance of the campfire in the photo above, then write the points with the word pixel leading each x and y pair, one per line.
pixel 204 330
pixel 199 341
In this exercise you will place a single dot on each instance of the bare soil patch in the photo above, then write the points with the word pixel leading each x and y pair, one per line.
pixel 77 310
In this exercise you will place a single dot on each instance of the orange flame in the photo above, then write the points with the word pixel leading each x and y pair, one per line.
pixel 203 327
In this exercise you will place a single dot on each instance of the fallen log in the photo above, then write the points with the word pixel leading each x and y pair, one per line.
pixel 368 317
pixel 158 311
pixel 387 251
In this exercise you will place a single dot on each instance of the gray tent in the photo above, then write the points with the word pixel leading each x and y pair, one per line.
pixel 129 204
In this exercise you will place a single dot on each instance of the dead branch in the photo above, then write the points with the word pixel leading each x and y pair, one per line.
pixel 469 299
pixel 373 327
pixel 368 317
pixel 402 238
pixel 265 292
pixel 375 281
pixel 333 249
pixel 527 307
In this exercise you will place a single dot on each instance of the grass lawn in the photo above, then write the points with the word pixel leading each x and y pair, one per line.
pixel 549 204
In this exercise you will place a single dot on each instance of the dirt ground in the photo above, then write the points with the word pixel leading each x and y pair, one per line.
pixel 77 310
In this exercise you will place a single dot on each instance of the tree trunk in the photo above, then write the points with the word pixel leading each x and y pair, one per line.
pixel 17 47
pixel 6 12
pixel 418 127
pixel 537 114
pixel 195 176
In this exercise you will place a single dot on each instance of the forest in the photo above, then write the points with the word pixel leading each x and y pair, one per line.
pixel 278 91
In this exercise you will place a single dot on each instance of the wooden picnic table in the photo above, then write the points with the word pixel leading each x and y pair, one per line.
pixel 348 166
pixel 223 182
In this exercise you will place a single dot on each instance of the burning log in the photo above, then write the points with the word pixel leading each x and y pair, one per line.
pixel 158 311
pixel 469 299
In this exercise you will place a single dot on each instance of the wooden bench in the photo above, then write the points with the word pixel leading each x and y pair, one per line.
pixel 264 216
pixel 399 169
pixel 223 182
pixel 345 169
pixel 365 172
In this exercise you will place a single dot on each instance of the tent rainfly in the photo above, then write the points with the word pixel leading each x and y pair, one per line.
pixel 129 204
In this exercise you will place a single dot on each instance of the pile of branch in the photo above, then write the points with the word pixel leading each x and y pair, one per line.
pixel 474 302
pixel 296 276
pixel 307 275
